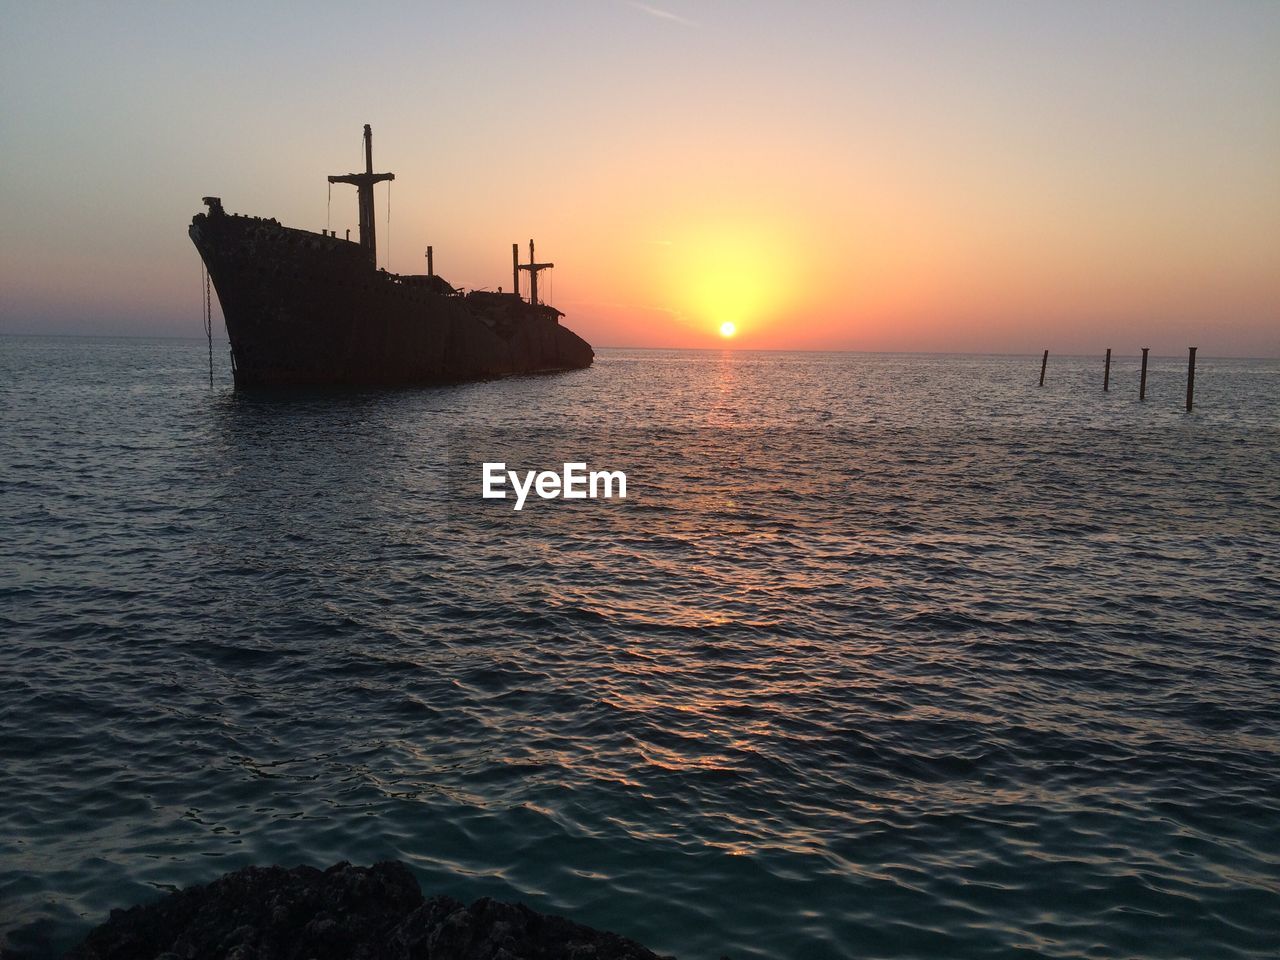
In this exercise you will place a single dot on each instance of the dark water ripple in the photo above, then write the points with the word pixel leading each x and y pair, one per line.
pixel 883 656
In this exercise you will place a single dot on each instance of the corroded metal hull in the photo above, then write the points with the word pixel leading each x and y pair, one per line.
pixel 303 308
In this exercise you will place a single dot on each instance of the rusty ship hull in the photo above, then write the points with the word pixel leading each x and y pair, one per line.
pixel 311 309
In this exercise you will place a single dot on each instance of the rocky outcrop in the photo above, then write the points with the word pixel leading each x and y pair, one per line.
pixel 342 913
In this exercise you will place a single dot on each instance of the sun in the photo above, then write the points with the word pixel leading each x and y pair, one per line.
pixel 728 328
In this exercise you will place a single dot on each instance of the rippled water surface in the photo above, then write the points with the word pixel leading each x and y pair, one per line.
pixel 882 657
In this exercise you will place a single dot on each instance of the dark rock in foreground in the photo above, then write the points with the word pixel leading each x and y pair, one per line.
pixel 343 913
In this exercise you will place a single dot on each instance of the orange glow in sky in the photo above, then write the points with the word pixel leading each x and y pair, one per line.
pixel 991 177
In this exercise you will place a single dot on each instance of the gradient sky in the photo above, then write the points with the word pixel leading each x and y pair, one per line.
pixel 873 176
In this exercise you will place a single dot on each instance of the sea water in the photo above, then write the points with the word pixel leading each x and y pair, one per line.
pixel 881 656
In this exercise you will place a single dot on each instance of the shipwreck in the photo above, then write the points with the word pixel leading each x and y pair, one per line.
pixel 313 309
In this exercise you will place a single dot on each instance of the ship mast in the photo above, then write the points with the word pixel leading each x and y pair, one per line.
pixel 532 266
pixel 363 182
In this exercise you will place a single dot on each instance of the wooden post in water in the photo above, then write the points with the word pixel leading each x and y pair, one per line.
pixel 431 263
pixel 1044 362
pixel 1191 376
pixel 1142 379
pixel 1106 373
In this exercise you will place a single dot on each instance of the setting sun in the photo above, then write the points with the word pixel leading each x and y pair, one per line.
pixel 728 329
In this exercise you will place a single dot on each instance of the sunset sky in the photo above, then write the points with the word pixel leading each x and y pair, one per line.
pixel 941 176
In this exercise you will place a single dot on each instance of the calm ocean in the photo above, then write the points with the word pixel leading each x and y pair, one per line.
pixel 883 656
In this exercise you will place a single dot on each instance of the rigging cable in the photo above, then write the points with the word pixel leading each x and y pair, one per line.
pixel 388 261
pixel 208 316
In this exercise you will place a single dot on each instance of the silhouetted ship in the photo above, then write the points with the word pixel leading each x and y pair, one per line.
pixel 306 308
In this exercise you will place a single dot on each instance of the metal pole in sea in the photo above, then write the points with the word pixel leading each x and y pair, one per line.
pixel 1142 380
pixel 1044 362
pixel 1106 373
pixel 1191 376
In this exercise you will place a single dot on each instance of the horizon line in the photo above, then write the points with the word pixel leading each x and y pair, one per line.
pixel 916 353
